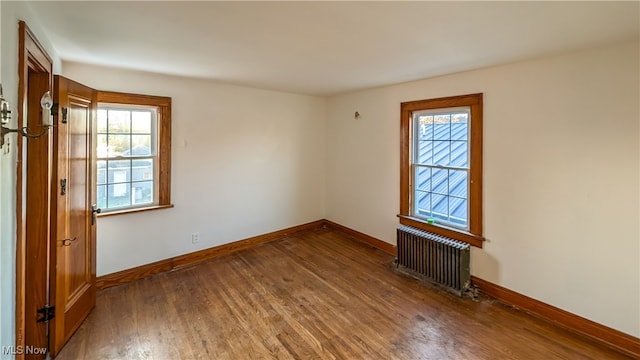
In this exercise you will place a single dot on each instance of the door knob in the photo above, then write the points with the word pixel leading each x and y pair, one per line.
pixel 94 210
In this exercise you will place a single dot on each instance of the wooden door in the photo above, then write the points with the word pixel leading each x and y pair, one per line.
pixel 73 248
pixel 37 223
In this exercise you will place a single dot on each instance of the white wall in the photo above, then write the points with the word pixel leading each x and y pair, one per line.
pixel 10 13
pixel 561 175
pixel 245 162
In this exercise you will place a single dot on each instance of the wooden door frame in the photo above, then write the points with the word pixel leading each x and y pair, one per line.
pixel 31 56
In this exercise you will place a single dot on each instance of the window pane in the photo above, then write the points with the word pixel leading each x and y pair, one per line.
pixel 425 152
pixel 423 204
pixel 458 183
pixel 460 126
pixel 118 144
pixel 440 206
pixel 142 192
pixel 441 152
pixel 102 121
pixel 102 172
pixel 439 181
pixel 142 170
pixel 425 127
pixel 441 193
pixel 458 211
pixel 442 127
pixel 141 146
pixel 118 171
pixel 447 203
pixel 141 122
pixel 119 195
pixel 460 154
pixel 101 196
pixel 119 121
pixel 102 149
pixel 423 178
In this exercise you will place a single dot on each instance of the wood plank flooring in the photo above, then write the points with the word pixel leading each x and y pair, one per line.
pixel 315 295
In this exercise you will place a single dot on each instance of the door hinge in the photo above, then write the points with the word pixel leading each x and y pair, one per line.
pixel 48 313
pixel 54 112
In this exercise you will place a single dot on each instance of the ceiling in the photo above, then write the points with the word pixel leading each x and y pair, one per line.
pixel 325 48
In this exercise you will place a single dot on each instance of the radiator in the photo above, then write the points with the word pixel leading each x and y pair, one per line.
pixel 435 258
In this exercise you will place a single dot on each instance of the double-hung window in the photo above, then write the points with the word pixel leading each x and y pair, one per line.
pixel 441 173
pixel 133 151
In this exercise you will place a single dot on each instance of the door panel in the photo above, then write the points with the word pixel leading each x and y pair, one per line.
pixel 37 215
pixel 73 280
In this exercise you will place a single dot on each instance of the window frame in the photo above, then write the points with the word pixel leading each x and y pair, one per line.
pixel 163 181
pixel 474 101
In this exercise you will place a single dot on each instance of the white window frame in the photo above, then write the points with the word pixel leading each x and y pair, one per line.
pixel 415 164
pixel 153 157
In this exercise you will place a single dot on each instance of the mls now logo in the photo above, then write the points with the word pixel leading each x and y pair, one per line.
pixel 23 350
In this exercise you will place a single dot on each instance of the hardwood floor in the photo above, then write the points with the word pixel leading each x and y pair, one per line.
pixel 315 295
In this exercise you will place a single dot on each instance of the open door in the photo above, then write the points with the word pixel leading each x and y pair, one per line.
pixel 73 240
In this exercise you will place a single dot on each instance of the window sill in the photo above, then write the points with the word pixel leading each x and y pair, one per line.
pixel 129 211
pixel 455 234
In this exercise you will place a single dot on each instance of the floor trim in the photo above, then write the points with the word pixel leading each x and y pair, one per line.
pixel 139 272
pixel 356 235
pixel 623 342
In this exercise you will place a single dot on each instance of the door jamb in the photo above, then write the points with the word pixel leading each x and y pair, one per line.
pixel 31 55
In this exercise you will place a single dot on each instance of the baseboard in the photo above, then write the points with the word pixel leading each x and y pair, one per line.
pixel 174 263
pixel 623 342
pixel 370 240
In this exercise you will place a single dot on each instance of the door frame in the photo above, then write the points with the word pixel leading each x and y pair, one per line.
pixel 31 57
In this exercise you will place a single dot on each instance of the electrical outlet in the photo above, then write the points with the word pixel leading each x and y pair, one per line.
pixel 195 238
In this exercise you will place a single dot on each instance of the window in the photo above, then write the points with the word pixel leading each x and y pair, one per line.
pixel 441 166
pixel 133 150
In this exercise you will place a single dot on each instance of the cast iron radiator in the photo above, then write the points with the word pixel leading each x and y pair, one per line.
pixel 435 258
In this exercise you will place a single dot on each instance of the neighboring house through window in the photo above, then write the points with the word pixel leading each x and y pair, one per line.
pixel 441 171
pixel 133 142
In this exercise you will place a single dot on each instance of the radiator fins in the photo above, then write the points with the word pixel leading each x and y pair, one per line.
pixel 435 258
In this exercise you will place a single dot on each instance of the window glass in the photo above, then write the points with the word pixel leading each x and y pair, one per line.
pixel 441 164
pixel 126 151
